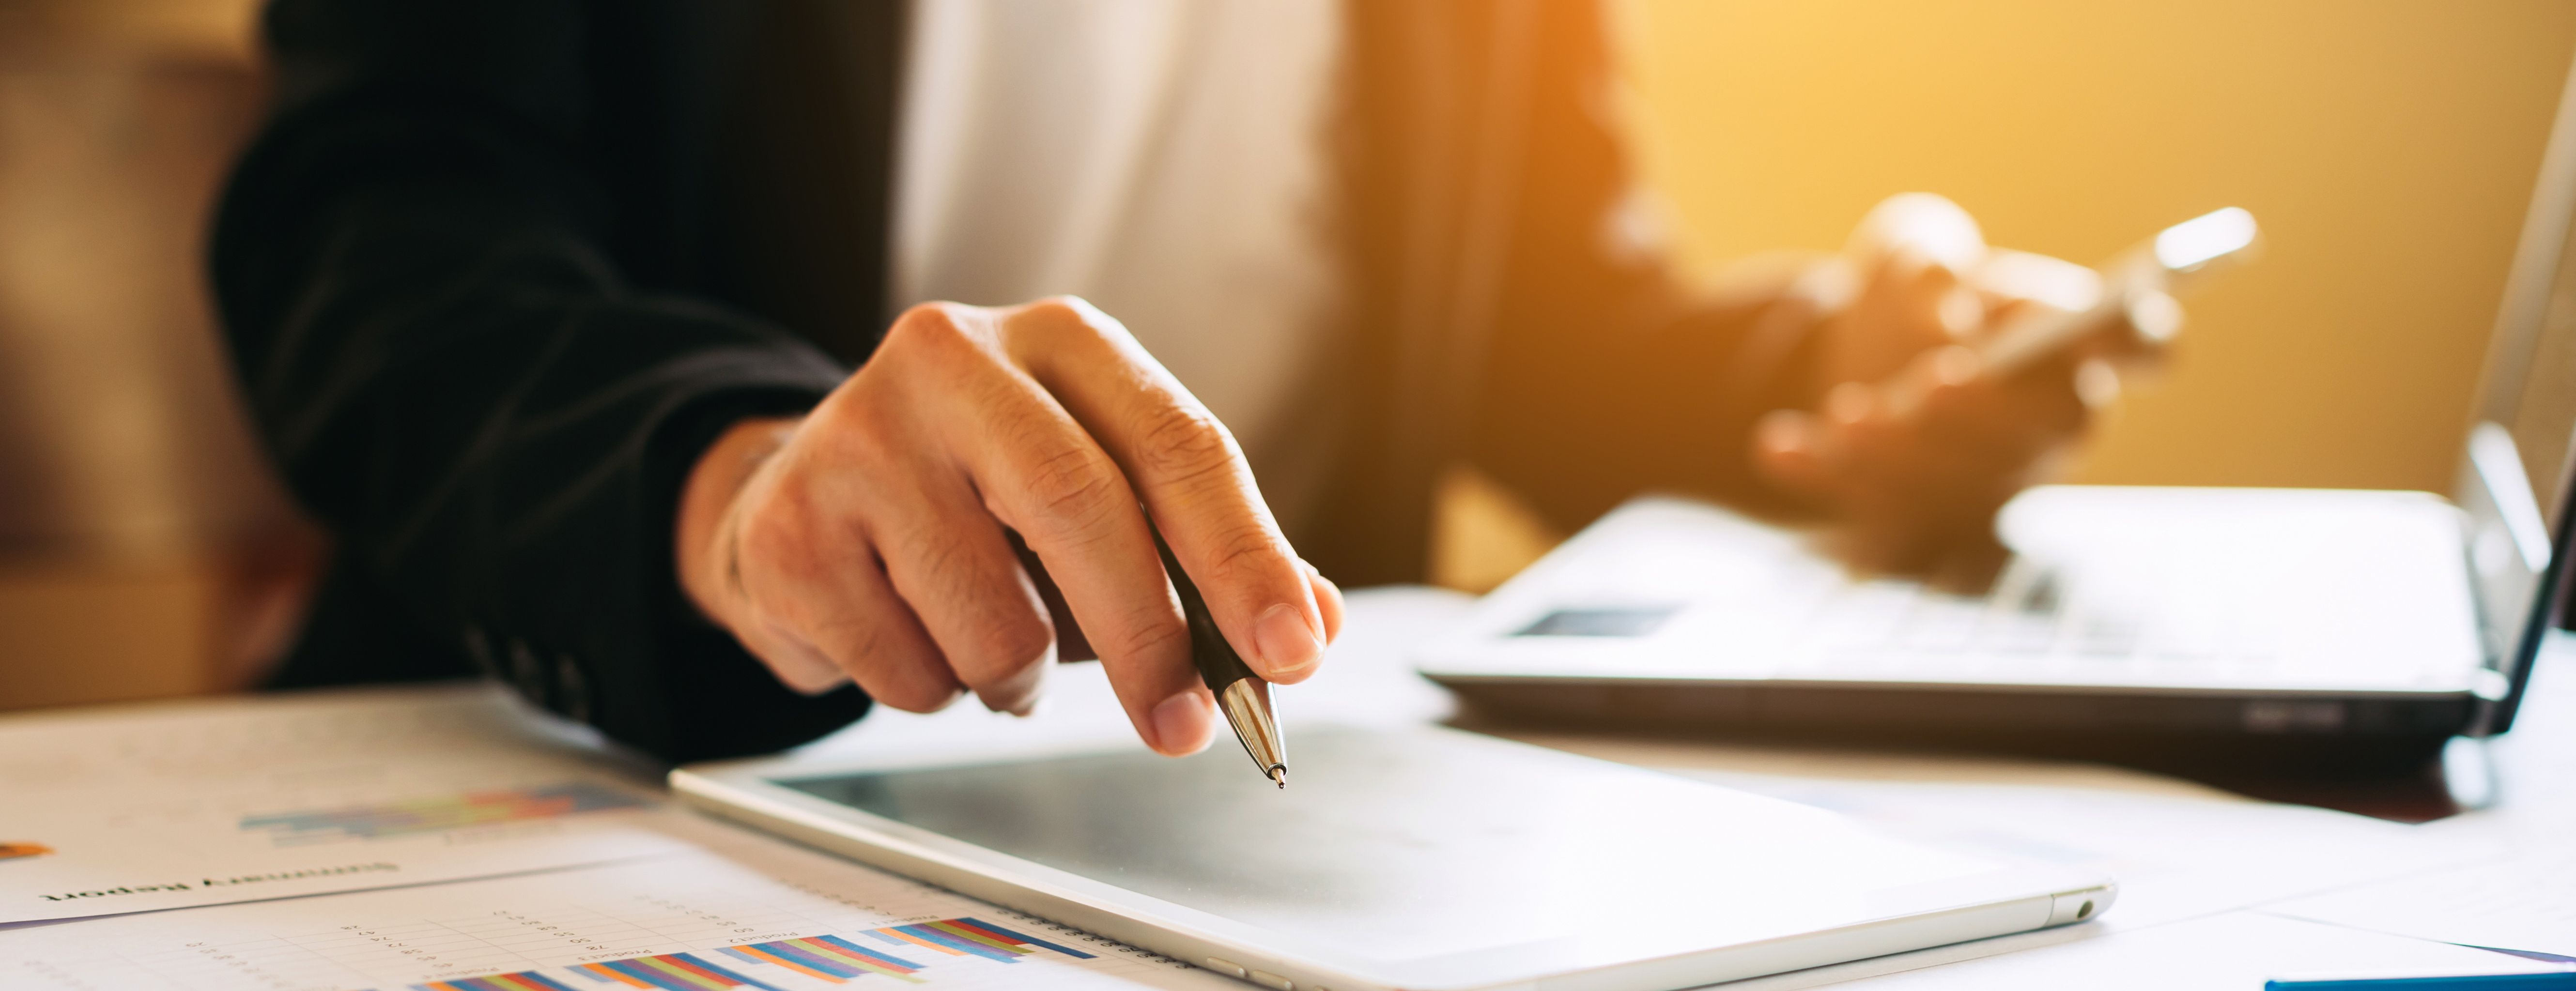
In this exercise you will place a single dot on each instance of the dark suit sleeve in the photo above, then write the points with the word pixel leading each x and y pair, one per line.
pixel 417 271
pixel 1606 373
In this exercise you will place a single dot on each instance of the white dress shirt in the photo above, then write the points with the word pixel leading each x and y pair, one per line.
pixel 1165 159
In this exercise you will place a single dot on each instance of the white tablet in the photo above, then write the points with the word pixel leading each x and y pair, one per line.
pixel 1411 858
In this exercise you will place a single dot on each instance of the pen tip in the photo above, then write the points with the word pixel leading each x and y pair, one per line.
pixel 1279 773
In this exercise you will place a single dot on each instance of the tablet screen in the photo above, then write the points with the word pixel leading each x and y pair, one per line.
pixel 1405 845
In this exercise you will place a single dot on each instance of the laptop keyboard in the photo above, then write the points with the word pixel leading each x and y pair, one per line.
pixel 2027 616
pixel 2192 589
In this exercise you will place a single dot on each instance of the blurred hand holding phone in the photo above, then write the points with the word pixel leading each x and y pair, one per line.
pixel 2133 297
pixel 1956 374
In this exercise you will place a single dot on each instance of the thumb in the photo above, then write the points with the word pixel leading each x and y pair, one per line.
pixel 1925 224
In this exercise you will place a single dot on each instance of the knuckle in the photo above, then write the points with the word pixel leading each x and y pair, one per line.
pixel 1242 550
pixel 1070 319
pixel 1070 311
pixel 1061 311
pixel 1153 629
pixel 1010 645
pixel 931 320
pixel 1182 444
pixel 935 329
pixel 1071 485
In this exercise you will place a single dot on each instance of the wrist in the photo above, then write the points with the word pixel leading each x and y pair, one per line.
pixel 703 544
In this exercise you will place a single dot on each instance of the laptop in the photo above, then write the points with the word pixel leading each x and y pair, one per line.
pixel 2354 628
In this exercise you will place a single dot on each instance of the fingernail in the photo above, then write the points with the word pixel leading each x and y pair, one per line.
pixel 1181 724
pixel 1288 645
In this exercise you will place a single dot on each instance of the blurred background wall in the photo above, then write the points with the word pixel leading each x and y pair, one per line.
pixel 2388 145
pixel 143 548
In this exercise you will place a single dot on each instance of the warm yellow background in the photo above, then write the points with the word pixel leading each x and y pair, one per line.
pixel 2388 146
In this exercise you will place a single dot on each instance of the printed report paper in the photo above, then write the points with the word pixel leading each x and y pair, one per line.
pixel 167 806
pixel 751 914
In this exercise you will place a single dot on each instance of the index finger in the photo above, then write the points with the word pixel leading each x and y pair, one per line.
pixel 1039 473
pixel 1192 478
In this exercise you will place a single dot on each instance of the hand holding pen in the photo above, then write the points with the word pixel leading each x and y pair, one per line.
pixel 870 540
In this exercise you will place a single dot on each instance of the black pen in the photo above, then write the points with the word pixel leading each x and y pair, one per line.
pixel 1240 694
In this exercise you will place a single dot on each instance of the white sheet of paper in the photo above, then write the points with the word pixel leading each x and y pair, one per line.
pixel 2178 849
pixel 2526 902
pixel 2236 950
pixel 739 907
pixel 2523 901
pixel 2176 856
pixel 167 806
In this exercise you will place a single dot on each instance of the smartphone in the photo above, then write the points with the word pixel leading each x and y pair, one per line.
pixel 2139 284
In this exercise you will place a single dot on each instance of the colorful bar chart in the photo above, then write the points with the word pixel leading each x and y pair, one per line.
pixel 480 808
pixel 970 937
pixel 670 972
pixel 528 981
pixel 831 959
pixel 828 957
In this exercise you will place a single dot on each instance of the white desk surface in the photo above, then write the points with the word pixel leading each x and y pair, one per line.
pixel 2220 891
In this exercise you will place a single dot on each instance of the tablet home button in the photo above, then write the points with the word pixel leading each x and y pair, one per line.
pixel 1225 967
pixel 1269 980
